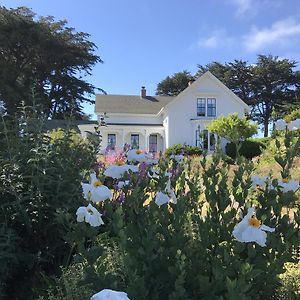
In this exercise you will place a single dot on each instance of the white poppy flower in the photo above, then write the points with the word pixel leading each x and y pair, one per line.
pixel 280 124
pixel 251 230
pixel 167 196
pixel 288 185
pixel 294 125
pixel 107 294
pixel 131 168
pixel 95 191
pixel 178 158
pixel 114 171
pixel 90 215
pixel 137 155
pixel 152 161
pixel 117 171
pixel 259 181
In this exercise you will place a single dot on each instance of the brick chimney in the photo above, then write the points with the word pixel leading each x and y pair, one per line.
pixel 143 92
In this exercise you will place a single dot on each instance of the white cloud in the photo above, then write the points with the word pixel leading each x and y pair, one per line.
pixel 280 33
pixel 250 8
pixel 217 39
pixel 243 6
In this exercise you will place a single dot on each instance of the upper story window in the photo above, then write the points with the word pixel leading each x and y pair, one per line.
pixel 135 143
pixel 211 107
pixel 206 107
pixel 111 141
pixel 201 107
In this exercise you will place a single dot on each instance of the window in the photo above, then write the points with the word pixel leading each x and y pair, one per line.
pixel 111 141
pixel 201 107
pixel 211 107
pixel 153 143
pixel 135 144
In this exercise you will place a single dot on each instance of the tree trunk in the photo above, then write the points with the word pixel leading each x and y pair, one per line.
pixel 266 128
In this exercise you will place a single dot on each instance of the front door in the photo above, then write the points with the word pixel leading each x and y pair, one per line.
pixel 153 143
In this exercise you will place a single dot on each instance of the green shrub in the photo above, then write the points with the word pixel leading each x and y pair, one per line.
pixel 40 190
pixel 187 251
pixel 290 282
pixel 68 286
pixel 249 149
pixel 183 149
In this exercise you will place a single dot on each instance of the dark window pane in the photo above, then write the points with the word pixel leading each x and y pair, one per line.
pixel 201 107
pixel 111 141
pixel 135 144
pixel 211 107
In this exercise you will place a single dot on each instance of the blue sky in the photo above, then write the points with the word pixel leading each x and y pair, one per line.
pixel 143 41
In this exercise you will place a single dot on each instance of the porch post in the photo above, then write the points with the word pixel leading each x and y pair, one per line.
pixel 146 144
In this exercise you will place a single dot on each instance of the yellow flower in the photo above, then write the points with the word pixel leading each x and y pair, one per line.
pixel 97 183
pixel 254 222
pixel 250 229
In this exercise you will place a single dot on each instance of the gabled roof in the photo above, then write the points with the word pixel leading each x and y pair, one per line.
pixel 219 83
pixel 131 104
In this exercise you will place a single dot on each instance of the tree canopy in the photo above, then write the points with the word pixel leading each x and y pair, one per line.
pixel 44 62
pixel 173 85
pixel 233 128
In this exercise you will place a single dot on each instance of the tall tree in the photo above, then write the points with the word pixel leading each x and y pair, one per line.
pixel 175 84
pixel 273 85
pixel 44 62
pixel 236 75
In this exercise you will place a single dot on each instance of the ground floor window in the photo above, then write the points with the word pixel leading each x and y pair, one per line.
pixel 135 142
pixel 153 143
pixel 111 141
pixel 205 140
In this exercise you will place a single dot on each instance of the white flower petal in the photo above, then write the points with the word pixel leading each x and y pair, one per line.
pixel 289 186
pixel 81 213
pixel 86 187
pixel 107 294
pixel 93 178
pixel 100 193
pixel 280 124
pixel 134 155
pixel 161 198
pixel 252 234
pixel 267 228
pixel 114 171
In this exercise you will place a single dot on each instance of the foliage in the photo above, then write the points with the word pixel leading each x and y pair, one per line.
pixel 175 251
pixel 187 251
pixel 40 177
pixel 248 149
pixel 233 128
pixel 290 282
pixel 175 84
pixel 47 58
pixel 293 115
pixel 67 286
pixel 177 149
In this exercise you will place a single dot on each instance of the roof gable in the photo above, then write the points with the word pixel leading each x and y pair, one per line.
pixel 216 81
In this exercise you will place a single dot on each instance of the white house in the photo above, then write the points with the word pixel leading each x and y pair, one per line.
pixel 154 123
